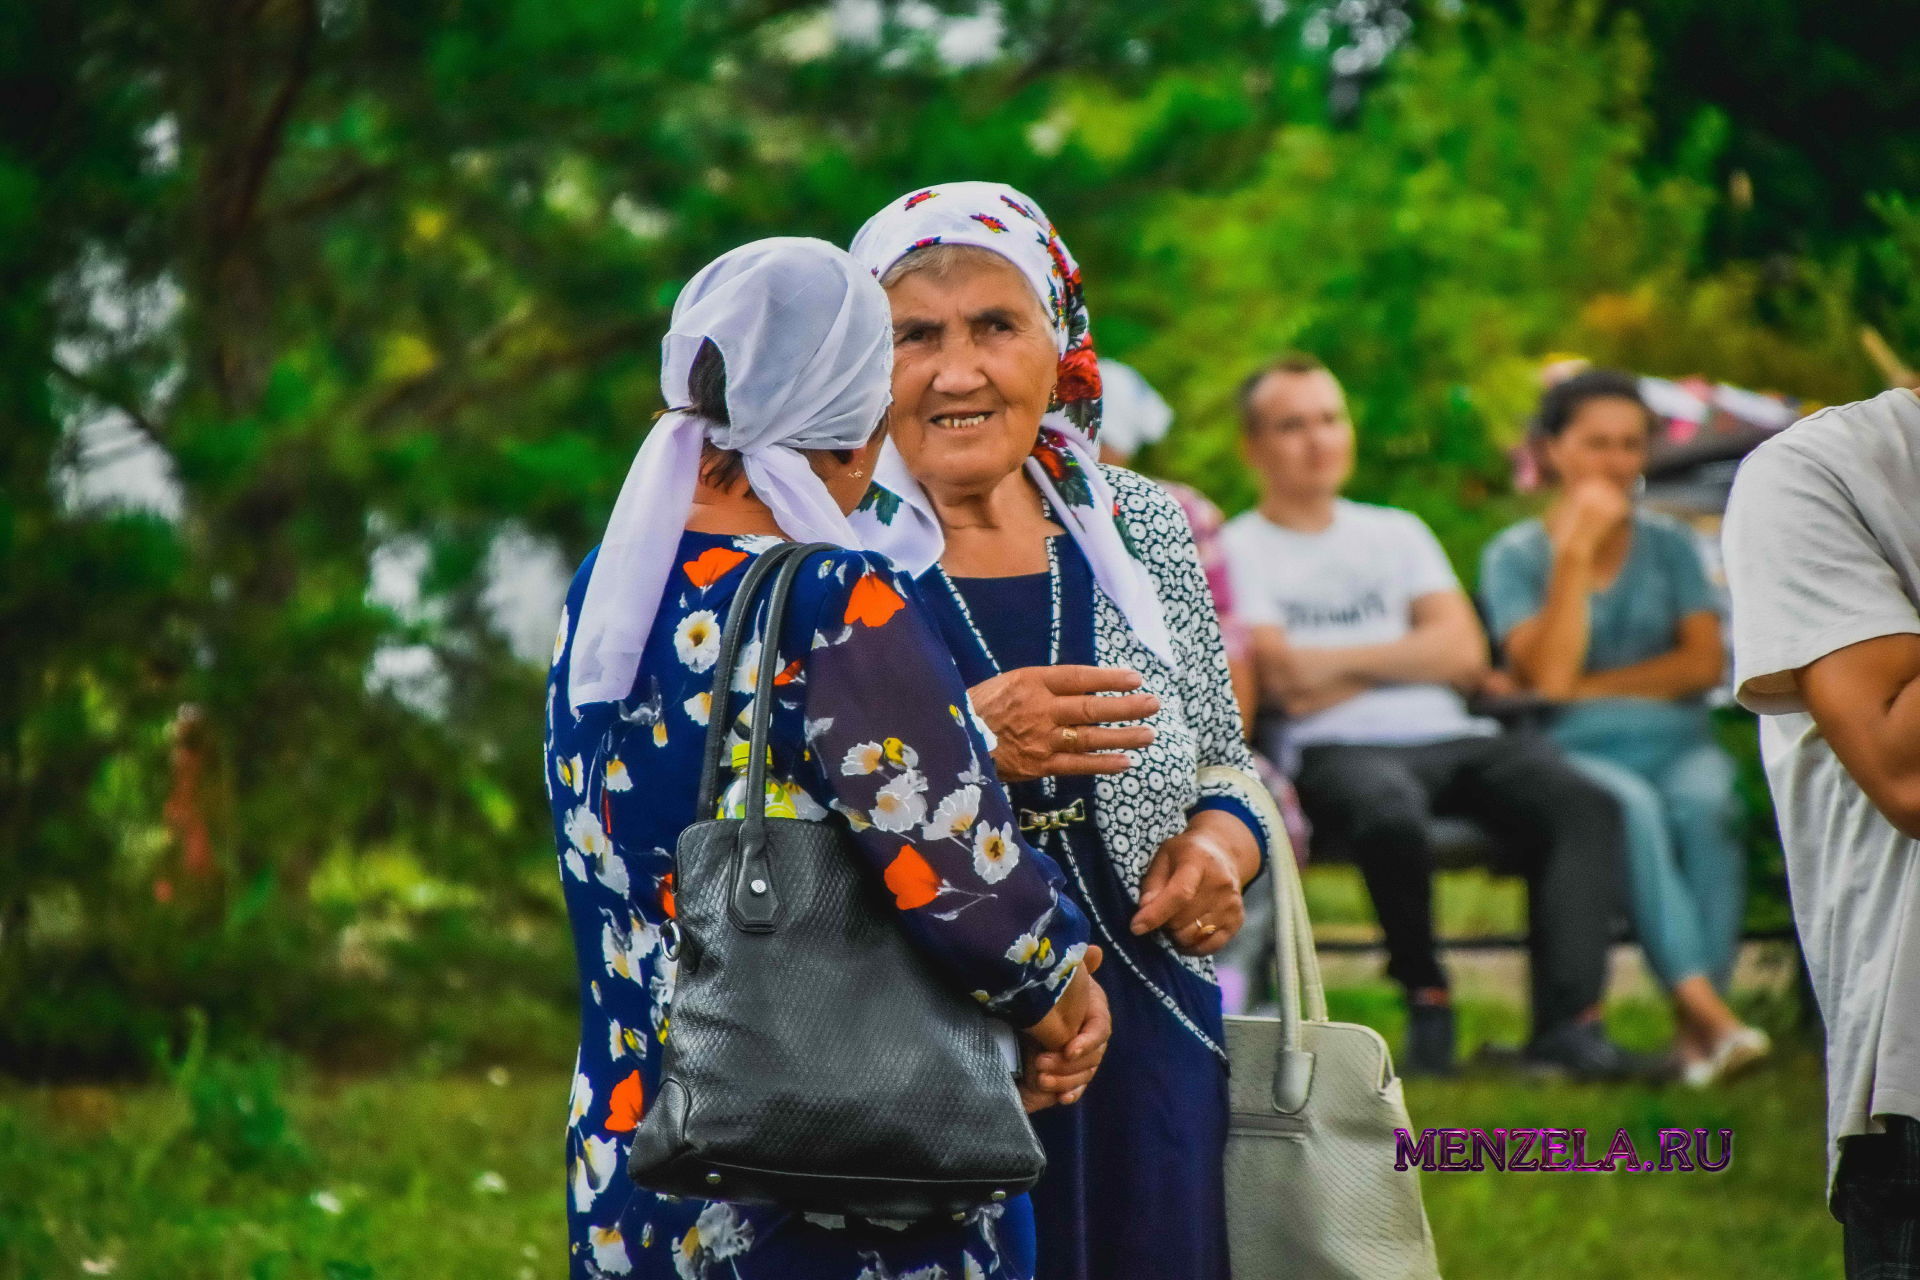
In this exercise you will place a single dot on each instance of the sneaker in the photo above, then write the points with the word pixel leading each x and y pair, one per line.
pixel 1581 1051
pixel 1735 1053
pixel 1429 1049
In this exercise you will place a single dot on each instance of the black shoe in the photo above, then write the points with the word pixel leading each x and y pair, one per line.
pixel 1429 1049
pixel 1581 1051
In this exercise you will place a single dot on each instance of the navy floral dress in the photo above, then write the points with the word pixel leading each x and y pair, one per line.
pixel 872 723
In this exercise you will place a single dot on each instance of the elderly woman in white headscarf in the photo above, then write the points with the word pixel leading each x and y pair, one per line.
pixel 1032 555
pixel 777 370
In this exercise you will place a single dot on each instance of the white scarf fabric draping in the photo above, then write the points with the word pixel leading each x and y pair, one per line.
pixel 807 340
pixel 1132 414
pixel 1064 464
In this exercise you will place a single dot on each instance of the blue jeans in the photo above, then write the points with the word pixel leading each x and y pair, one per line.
pixel 1686 875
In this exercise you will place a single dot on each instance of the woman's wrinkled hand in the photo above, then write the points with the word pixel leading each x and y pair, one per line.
pixel 1192 889
pixel 1052 721
pixel 1061 1052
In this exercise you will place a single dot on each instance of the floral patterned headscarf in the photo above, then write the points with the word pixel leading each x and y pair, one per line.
pixel 897 517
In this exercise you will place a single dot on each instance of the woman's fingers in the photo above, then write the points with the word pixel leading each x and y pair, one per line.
pixel 1225 912
pixel 1089 709
pixel 1171 902
pixel 1078 765
pixel 1102 738
pixel 1065 1082
pixel 1071 678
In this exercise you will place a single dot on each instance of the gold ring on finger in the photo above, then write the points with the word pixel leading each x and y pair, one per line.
pixel 1069 736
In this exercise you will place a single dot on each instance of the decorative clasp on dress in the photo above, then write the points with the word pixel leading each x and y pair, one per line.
pixel 1054 819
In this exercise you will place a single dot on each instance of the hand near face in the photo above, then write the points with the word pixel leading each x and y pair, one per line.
pixel 1053 721
pixel 1592 510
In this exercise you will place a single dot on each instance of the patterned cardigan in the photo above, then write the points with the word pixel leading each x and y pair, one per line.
pixel 1199 749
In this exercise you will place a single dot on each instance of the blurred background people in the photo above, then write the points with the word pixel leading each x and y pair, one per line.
pixel 1605 609
pixel 1364 639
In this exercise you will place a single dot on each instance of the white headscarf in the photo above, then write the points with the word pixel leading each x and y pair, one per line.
pixel 1064 463
pixel 807 338
pixel 1132 413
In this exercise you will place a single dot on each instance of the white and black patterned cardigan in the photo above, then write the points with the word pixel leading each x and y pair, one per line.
pixel 1198 748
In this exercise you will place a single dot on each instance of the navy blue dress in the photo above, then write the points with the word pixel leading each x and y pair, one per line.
pixel 1134 1186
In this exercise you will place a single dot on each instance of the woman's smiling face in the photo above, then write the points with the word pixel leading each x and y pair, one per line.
pixel 974 365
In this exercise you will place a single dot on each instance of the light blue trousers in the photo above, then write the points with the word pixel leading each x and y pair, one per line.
pixel 1686 874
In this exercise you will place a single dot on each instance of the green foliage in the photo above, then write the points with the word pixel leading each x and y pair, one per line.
pixel 1490 206
pixel 371 274
pixel 233 1111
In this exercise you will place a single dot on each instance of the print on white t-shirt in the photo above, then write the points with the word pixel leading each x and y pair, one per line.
pixel 1353 583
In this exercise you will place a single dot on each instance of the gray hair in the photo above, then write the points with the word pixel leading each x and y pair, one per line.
pixel 943 260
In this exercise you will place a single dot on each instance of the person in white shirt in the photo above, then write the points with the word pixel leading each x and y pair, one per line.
pixel 1822 547
pixel 1364 639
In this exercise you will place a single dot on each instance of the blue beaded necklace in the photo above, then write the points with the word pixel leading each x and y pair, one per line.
pixel 1053 632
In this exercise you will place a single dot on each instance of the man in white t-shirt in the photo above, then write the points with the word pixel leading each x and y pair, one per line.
pixel 1822 547
pixel 1364 638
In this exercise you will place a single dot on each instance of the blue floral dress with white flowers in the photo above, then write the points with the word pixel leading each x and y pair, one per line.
pixel 872 723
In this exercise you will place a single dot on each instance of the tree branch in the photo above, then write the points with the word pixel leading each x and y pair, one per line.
pixel 271 135
pixel 113 400
pixel 445 394
pixel 342 189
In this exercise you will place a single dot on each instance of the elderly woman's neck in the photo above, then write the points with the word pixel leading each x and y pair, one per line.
pixel 994 531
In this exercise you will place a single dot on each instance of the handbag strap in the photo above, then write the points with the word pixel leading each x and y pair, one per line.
pixel 732 640
pixel 762 723
pixel 1301 994
pixel 753 898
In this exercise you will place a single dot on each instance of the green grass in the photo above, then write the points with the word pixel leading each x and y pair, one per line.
pixel 257 1172
pixel 405 1177
pixel 1763 1216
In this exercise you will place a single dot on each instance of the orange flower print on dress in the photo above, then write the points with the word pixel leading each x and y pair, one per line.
pixel 873 601
pixel 789 675
pixel 666 896
pixel 712 565
pixel 625 1105
pixel 912 882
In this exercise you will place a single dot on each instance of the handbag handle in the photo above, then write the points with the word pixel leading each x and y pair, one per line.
pixel 754 902
pixel 732 640
pixel 1298 972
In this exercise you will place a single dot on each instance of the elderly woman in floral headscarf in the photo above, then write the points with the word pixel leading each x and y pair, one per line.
pixel 1032 555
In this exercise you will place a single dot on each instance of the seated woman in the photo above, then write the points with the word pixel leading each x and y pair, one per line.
pixel 777 366
pixel 1607 610
pixel 1032 554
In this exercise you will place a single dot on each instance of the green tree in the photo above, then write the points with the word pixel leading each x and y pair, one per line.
pixel 401 269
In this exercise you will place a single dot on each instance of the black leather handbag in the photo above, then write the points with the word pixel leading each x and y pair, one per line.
pixel 814 1060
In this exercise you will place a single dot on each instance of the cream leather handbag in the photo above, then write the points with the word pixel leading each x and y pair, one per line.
pixel 1311 1188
